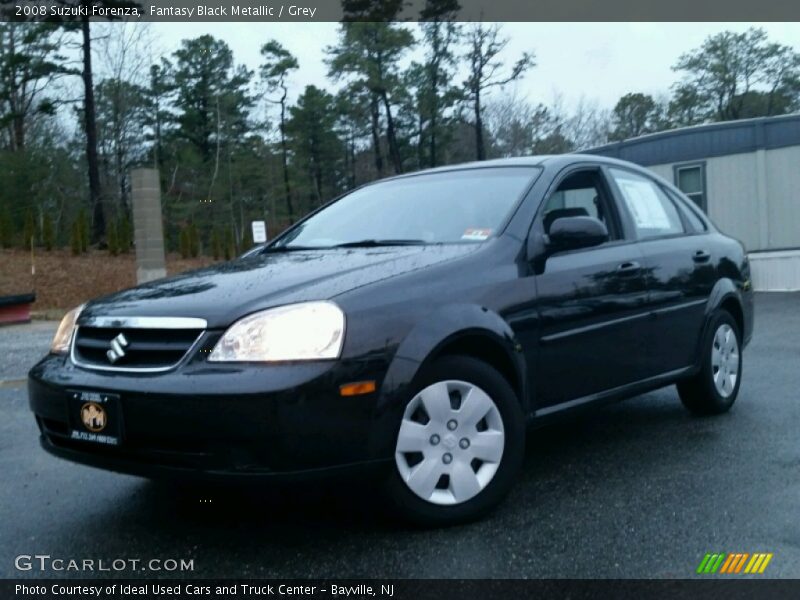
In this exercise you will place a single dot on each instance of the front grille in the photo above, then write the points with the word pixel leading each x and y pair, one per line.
pixel 135 348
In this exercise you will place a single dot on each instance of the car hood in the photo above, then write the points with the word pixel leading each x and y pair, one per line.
pixel 225 292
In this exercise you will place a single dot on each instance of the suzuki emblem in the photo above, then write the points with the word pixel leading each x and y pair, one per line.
pixel 118 345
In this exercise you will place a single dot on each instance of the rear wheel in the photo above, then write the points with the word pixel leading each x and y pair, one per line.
pixel 714 388
pixel 459 445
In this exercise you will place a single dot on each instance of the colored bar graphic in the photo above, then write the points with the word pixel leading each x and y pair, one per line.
pixel 711 563
pixel 727 567
pixel 734 562
pixel 765 563
pixel 740 564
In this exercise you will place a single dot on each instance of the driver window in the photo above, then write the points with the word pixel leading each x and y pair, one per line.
pixel 579 195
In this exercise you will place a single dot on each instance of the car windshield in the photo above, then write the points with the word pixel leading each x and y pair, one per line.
pixel 437 208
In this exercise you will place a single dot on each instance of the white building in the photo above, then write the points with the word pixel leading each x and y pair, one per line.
pixel 745 175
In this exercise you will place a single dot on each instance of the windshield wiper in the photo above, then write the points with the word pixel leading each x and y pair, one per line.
pixel 290 248
pixel 377 243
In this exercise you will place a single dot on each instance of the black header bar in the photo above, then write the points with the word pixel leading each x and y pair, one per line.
pixel 470 10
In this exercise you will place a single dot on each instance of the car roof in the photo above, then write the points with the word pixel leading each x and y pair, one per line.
pixel 556 160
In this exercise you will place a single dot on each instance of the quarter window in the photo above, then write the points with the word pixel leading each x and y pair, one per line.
pixel 689 213
pixel 690 179
pixel 653 213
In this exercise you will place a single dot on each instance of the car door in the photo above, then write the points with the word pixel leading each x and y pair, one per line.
pixel 591 301
pixel 677 268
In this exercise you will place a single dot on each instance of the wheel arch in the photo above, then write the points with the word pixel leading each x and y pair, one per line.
pixel 466 329
pixel 726 296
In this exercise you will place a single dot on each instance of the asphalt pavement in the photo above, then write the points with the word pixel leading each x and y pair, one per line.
pixel 636 489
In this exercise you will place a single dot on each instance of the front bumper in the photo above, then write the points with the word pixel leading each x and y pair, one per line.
pixel 207 421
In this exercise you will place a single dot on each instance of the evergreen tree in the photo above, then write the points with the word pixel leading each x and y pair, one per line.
pixel 6 228
pixel 230 250
pixel 29 230
pixel 184 243
pixel 278 63
pixel 75 238
pixel 125 234
pixel 48 232
pixel 216 244
pixel 368 54
pixel 211 95
pixel 29 64
pixel 317 148
pixel 486 72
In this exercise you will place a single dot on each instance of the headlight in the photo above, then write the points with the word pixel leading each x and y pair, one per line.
pixel 65 330
pixel 306 331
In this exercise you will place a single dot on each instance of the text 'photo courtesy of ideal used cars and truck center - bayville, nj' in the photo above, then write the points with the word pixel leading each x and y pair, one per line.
pixel 340 299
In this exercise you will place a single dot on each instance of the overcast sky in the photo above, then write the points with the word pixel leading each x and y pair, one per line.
pixel 598 61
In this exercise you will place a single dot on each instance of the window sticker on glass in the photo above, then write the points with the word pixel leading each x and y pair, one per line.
pixel 476 235
pixel 644 204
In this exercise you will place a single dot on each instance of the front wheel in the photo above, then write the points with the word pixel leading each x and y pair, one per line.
pixel 714 388
pixel 460 443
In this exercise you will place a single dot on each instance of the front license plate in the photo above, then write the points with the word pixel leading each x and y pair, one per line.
pixel 95 417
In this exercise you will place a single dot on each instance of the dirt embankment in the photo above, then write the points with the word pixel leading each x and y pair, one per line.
pixel 62 281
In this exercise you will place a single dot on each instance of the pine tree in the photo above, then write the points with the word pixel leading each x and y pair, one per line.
pixel 212 96
pixel 6 229
pixel 184 242
pixel 48 232
pixel 229 248
pixel 247 239
pixel 194 242
pixel 75 238
pixel 368 54
pixel 278 63
pixel 29 230
pixel 124 234
pixel 316 145
pixel 83 230
pixel 112 238
pixel 216 244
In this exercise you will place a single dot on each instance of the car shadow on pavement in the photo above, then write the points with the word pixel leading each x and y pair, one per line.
pixel 351 504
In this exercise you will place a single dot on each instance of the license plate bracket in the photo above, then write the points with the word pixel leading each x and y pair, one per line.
pixel 95 417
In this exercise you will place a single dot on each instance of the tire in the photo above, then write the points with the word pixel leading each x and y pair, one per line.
pixel 480 471
pixel 713 390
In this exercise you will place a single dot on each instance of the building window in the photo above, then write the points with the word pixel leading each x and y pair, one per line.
pixel 691 180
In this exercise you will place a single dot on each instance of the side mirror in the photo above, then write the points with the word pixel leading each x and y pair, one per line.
pixel 570 233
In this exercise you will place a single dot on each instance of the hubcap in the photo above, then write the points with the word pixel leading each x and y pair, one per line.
pixel 725 360
pixel 467 422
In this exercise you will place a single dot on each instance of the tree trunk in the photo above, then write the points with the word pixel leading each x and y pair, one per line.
pixel 285 153
pixel 352 159
pixel 376 136
pixel 15 102
pixel 394 151
pixel 18 144
pixel 434 114
pixel 480 151
pixel 98 218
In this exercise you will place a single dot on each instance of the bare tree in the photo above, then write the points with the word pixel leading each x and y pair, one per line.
pixel 123 68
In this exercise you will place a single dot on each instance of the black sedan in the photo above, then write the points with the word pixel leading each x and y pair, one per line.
pixel 416 326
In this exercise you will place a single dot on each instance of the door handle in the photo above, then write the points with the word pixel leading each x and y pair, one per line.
pixel 701 256
pixel 629 268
